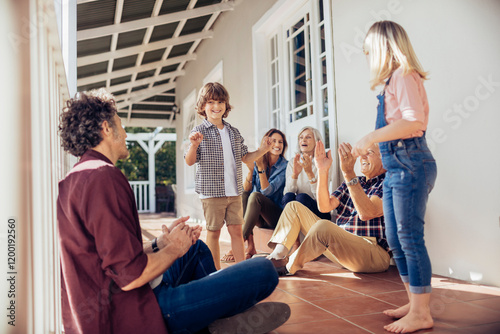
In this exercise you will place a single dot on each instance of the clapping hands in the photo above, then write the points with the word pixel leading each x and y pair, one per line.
pixel 195 138
pixel 322 159
pixel 302 162
pixel 347 159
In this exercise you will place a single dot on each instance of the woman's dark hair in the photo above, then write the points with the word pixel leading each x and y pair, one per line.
pixel 212 91
pixel 81 121
pixel 269 133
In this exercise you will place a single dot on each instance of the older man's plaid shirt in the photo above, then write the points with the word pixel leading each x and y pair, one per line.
pixel 348 217
pixel 210 159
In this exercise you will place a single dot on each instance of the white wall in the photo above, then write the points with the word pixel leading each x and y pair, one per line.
pixel 457 41
pixel 232 43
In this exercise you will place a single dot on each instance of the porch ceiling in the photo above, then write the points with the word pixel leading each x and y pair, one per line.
pixel 136 49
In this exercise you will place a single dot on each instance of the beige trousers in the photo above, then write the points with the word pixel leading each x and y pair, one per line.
pixel 355 253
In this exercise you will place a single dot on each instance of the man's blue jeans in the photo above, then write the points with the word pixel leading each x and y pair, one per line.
pixel 193 294
pixel 411 173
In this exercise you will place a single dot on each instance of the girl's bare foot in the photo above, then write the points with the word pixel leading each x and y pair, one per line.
pixel 410 323
pixel 228 257
pixel 399 312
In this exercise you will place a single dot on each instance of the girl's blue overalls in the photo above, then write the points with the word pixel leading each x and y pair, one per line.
pixel 411 173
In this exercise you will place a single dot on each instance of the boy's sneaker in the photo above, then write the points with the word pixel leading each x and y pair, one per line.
pixel 259 319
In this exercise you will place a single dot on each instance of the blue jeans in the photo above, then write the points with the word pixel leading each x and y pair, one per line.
pixel 193 294
pixel 308 202
pixel 411 173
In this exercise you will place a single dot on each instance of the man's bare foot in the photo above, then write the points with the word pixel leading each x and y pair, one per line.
pixel 399 312
pixel 410 323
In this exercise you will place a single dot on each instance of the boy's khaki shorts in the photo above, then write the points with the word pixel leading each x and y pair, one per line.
pixel 220 209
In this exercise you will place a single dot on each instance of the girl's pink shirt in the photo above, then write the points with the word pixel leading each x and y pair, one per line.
pixel 405 98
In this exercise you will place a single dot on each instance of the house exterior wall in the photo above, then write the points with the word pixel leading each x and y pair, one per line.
pixel 231 44
pixel 456 41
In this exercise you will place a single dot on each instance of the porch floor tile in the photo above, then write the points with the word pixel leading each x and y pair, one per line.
pixel 327 299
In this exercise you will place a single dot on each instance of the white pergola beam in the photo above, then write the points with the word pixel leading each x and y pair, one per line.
pixel 157 103
pixel 148 122
pixel 93 59
pixel 153 21
pixel 152 112
pixel 146 81
pixel 135 69
pixel 139 96
pixel 147 136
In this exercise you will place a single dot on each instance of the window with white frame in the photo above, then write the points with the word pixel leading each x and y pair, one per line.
pixel 322 61
pixel 298 46
pixel 298 75
pixel 275 83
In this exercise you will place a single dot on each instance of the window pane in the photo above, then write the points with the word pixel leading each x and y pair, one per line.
pixel 325 102
pixel 323 69
pixel 277 97
pixel 273 99
pixel 297 26
pixel 273 74
pixel 322 36
pixel 301 114
pixel 309 78
pixel 321 11
pixel 326 129
pixel 273 55
pixel 299 70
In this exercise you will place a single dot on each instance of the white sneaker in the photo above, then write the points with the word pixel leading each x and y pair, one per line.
pixel 259 319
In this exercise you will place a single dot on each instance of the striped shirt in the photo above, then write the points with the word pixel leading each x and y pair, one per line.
pixel 209 180
pixel 348 217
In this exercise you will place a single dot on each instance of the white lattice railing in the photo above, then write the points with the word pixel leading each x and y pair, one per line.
pixel 141 194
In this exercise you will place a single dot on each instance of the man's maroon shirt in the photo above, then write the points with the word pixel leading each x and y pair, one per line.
pixel 101 252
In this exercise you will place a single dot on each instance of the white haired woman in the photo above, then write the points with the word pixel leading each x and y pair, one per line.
pixel 301 173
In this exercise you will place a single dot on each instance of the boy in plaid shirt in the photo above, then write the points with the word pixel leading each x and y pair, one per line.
pixel 218 149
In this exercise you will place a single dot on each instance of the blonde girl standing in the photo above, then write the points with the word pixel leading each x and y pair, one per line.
pixel 402 117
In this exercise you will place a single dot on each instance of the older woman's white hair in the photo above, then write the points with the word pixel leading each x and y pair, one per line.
pixel 317 135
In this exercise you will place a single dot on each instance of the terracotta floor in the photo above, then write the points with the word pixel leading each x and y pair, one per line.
pixel 328 299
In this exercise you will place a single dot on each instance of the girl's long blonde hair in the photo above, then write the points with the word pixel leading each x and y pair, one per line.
pixel 388 48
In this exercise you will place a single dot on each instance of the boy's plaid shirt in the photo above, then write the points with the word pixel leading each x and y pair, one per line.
pixel 210 159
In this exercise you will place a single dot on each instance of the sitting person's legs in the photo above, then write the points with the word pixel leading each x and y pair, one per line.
pixel 355 253
pixel 192 295
pixel 261 211
pixel 295 218
pixel 287 198
pixel 312 205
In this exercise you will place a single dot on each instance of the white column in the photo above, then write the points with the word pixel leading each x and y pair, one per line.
pixel 14 174
pixel 151 175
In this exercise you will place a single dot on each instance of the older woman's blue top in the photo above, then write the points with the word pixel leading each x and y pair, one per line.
pixel 277 178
